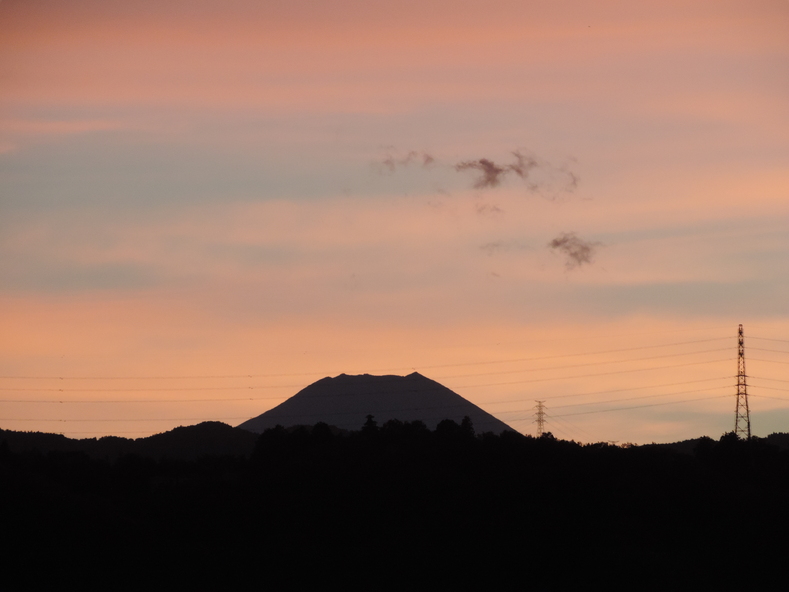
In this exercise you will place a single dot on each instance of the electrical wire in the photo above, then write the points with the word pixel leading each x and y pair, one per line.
pixel 643 406
pixel 114 432
pixel 586 364
pixel 222 400
pixel 319 414
pixel 132 419
pixel 775 351
pixel 769 388
pixel 637 398
pixel 637 406
pixel 763 378
pixel 769 361
pixel 632 388
pixel 576 427
pixel 58 401
pixel 597 374
pixel 184 377
pixel 619 400
pixel 768 397
pixel 394 379
pixel 768 339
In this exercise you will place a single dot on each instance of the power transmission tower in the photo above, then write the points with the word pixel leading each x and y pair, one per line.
pixel 540 418
pixel 742 420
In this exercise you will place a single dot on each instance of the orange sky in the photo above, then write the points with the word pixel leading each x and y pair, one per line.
pixel 225 190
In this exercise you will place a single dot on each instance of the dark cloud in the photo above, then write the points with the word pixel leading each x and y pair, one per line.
pixel 484 209
pixel 392 161
pixel 491 174
pixel 538 175
pixel 577 250
pixel 572 179
pixel 523 164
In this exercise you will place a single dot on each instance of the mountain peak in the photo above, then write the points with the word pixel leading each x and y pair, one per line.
pixel 346 400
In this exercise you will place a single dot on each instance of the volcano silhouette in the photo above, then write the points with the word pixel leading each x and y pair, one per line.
pixel 346 401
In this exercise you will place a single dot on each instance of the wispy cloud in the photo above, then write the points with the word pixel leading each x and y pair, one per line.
pixel 491 174
pixel 577 250
pixel 496 247
pixel 538 175
pixel 392 162
pixel 492 248
pixel 485 209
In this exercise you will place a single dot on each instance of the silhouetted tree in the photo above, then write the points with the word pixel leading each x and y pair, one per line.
pixel 467 426
pixel 370 426
pixel 321 432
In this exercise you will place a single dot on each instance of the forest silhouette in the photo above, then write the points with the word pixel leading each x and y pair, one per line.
pixel 393 505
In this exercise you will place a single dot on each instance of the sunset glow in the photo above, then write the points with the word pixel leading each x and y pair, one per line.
pixel 205 206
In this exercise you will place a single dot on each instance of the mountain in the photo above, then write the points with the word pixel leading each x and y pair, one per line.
pixel 346 401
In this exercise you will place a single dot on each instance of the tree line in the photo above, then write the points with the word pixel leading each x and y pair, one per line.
pixel 401 505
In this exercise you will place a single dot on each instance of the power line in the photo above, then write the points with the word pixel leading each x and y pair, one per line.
pixel 770 388
pixel 609 351
pixel 763 378
pixel 182 377
pixel 149 390
pixel 114 432
pixel 643 406
pixel 586 364
pixel 775 351
pixel 636 398
pixel 222 400
pixel 61 401
pixel 388 411
pixel 555 427
pixel 632 388
pixel 131 419
pixel 620 400
pixel 636 406
pixel 207 376
pixel 319 414
pixel 597 374
pixel 181 389
pixel 572 426
pixel 769 361
pixel 769 397
pixel 769 339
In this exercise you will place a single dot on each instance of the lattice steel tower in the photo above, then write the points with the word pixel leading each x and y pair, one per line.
pixel 742 420
pixel 540 418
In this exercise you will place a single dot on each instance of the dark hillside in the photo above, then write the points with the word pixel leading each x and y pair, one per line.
pixel 399 505
pixel 211 438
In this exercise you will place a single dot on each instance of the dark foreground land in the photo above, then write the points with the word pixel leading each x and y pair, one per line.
pixel 395 507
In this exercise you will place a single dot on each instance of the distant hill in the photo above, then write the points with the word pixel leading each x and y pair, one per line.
pixel 778 439
pixel 210 438
pixel 345 401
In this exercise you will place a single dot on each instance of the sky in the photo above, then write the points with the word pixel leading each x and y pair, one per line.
pixel 205 206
